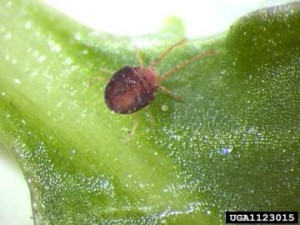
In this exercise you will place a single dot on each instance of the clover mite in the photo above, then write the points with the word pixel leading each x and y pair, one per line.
pixel 132 88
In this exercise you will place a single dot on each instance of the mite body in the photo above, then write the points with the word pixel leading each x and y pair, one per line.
pixel 132 88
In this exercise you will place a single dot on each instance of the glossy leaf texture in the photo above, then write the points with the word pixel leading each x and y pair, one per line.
pixel 231 144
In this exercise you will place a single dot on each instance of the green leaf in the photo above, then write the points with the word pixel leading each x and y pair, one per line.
pixel 232 144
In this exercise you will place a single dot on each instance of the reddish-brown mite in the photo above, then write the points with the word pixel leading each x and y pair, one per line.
pixel 132 88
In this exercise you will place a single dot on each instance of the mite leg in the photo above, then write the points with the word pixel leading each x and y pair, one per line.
pixel 98 78
pixel 135 125
pixel 164 53
pixel 132 131
pixel 150 117
pixel 139 57
pixel 185 63
pixel 101 70
pixel 170 93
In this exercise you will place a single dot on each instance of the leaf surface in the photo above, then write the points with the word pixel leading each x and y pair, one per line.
pixel 232 144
